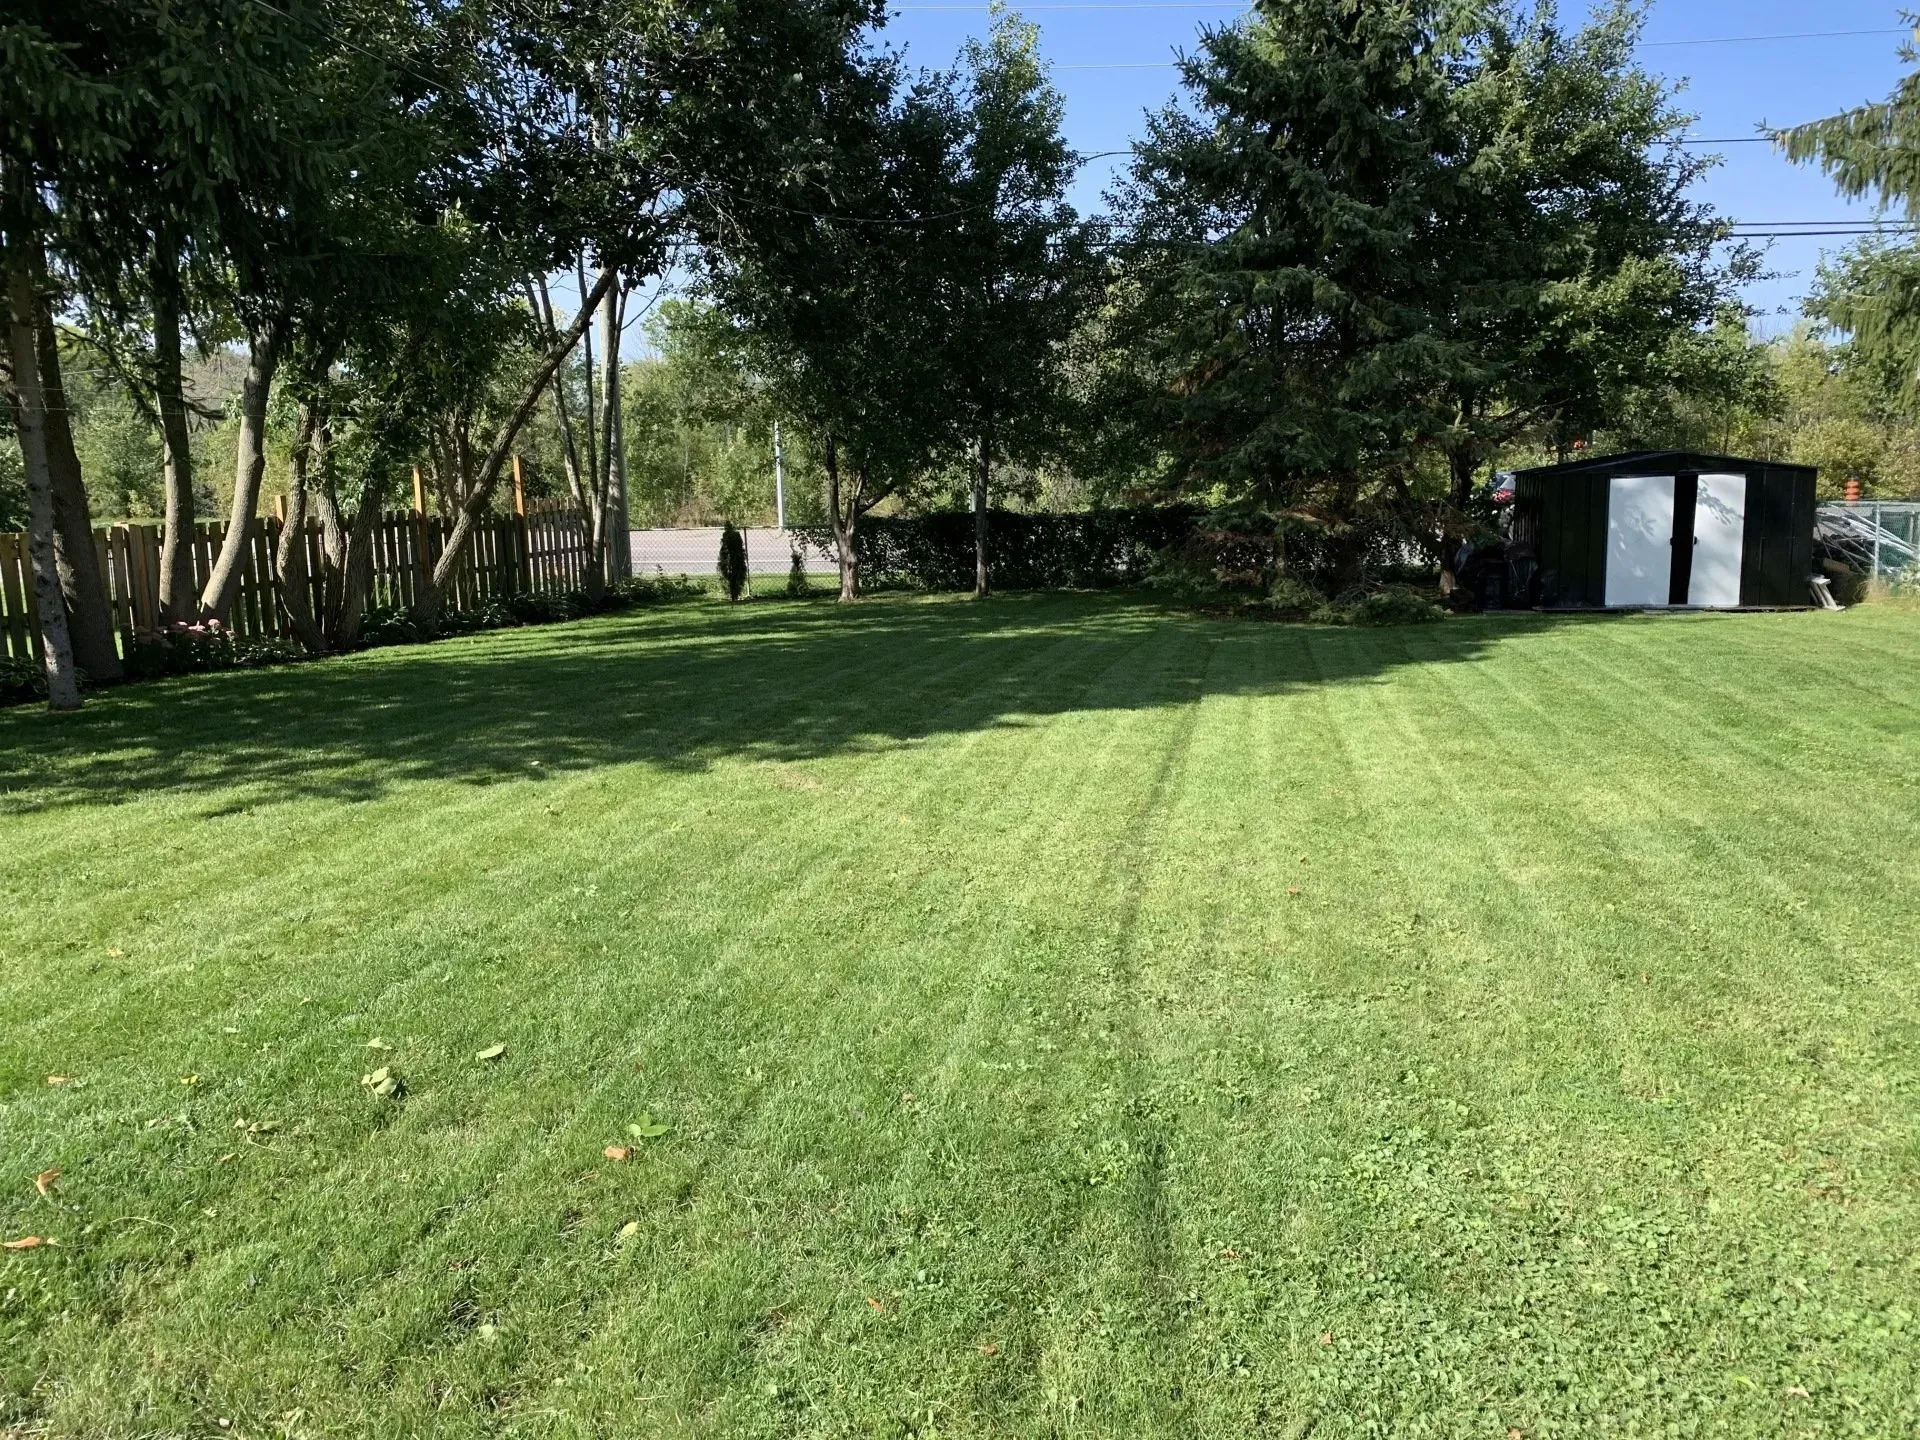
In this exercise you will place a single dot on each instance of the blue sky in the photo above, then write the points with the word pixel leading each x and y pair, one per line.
pixel 1111 62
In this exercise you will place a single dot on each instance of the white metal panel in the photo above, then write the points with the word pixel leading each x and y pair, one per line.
pixel 1639 539
pixel 1719 537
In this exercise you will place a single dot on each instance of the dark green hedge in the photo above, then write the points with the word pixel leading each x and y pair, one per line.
pixel 1086 550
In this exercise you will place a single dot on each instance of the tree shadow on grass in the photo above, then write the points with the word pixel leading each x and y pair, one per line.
pixel 680 687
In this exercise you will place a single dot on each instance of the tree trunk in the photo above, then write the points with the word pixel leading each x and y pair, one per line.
pixel 356 574
pixel 617 477
pixel 90 617
pixel 844 519
pixel 30 405
pixel 983 473
pixel 613 534
pixel 593 510
pixel 1460 464
pixel 250 465
pixel 426 607
pixel 293 583
pixel 177 594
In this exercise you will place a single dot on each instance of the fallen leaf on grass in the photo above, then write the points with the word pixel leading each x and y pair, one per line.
pixel 114 952
pixel 630 1229
pixel 384 1083
pixel 59 1079
pixel 1798 1392
pixel 256 1127
pixel 189 1079
pixel 880 1306
pixel 989 1349
pixel 648 1128
pixel 492 1052
pixel 25 1242
pixel 1293 890
pixel 45 1181
pixel 618 1152
pixel 1326 1337
pixel 378 1042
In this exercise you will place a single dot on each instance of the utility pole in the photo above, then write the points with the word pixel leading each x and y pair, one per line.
pixel 779 481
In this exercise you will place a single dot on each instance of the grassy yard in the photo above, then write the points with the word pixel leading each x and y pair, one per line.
pixel 1073 1019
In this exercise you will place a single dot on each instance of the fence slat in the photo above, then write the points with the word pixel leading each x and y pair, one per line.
pixel 14 585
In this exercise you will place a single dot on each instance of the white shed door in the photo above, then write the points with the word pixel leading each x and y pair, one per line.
pixel 1719 532
pixel 1639 539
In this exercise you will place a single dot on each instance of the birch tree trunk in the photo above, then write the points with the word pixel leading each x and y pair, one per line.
pixel 95 650
pixel 608 534
pixel 982 474
pixel 293 583
pixel 30 405
pixel 250 465
pixel 178 598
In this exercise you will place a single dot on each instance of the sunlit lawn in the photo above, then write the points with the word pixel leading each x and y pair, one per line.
pixel 1072 1018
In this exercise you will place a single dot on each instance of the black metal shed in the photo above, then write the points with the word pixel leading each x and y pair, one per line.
pixel 1665 527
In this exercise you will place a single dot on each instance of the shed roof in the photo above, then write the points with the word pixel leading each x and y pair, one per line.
pixel 1660 461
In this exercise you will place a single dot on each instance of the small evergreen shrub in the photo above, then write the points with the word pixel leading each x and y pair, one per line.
pixel 732 564
pixel 798 585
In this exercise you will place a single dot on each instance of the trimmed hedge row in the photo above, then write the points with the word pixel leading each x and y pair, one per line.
pixel 1086 550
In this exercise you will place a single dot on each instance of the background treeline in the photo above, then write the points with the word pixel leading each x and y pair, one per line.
pixel 700 453
pixel 288 256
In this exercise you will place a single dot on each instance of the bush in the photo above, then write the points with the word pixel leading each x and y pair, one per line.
pixel 204 647
pixel 1395 605
pixel 1292 597
pixel 799 587
pixel 21 681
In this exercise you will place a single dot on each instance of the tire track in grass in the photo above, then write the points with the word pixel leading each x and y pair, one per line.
pixel 1054 736
pixel 1141 1131
pixel 921 1157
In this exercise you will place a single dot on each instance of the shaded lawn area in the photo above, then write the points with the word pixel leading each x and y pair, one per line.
pixel 1073 1019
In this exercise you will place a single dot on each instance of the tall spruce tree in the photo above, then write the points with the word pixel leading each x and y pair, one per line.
pixel 1872 294
pixel 1390 232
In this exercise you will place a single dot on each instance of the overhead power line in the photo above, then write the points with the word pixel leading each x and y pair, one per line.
pixel 1761 39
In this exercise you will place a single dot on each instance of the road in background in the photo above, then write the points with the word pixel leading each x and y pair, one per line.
pixel 696 551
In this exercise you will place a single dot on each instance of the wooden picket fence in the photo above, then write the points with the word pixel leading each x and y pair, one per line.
pixel 543 548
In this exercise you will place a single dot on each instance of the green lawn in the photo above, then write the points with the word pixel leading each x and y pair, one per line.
pixel 1073 1019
